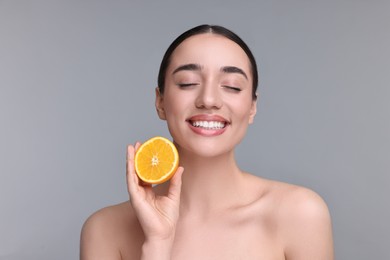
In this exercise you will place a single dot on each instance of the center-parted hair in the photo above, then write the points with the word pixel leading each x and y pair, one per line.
pixel 202 29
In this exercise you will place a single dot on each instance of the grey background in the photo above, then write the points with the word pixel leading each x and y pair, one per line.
pixel 77 84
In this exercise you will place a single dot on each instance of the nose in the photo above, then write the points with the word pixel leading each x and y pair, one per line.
pixel 209 97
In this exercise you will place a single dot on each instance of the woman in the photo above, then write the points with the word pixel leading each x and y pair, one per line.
pixel 207 94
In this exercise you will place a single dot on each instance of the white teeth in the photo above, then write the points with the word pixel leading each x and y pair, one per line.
pixel 208 124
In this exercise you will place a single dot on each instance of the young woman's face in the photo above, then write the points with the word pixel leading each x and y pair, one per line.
pixel 207 101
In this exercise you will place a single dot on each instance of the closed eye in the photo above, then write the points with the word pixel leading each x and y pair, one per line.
pixel 186 85
pixel 236 89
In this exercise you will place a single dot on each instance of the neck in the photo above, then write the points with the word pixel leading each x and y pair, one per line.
pixel 209 183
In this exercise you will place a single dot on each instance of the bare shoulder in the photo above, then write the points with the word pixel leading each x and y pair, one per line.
pixel 277 190
pixel 297 201
pixel 107 233
pixel 303 220
pixel 291 200
pixel 300 217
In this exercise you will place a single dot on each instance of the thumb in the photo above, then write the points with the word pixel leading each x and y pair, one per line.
pixel 175 184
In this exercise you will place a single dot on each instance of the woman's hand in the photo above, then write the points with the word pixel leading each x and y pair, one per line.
pixel 157 215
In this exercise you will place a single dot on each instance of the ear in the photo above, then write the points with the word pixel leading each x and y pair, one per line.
pixel 160 105
pixel 253 110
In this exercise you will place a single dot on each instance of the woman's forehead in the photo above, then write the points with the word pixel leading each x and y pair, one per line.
pixel 210 50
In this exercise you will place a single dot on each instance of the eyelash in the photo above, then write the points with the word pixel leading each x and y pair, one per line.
pixel 233 88
pixel 186 85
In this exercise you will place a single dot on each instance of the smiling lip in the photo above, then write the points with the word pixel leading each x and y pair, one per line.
pixel 208 125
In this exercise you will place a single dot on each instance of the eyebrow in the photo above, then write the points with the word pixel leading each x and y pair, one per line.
pixel 190 67
pixel 197 67
pixel 233 69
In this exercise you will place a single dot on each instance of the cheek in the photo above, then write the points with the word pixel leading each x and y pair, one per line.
pixel 174 106
pixel 240 107
pixel 176 100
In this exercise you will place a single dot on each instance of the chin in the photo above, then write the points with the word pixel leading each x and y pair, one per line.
pixel 204 149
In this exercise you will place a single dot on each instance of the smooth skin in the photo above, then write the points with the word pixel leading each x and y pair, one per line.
pixel 210 209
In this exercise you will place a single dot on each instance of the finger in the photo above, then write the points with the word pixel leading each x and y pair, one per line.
pixel 132 179
pixel 137 145
pixel 175 184
pixel 138 180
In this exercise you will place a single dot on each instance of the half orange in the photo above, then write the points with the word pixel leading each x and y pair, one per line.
pixel 156 160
